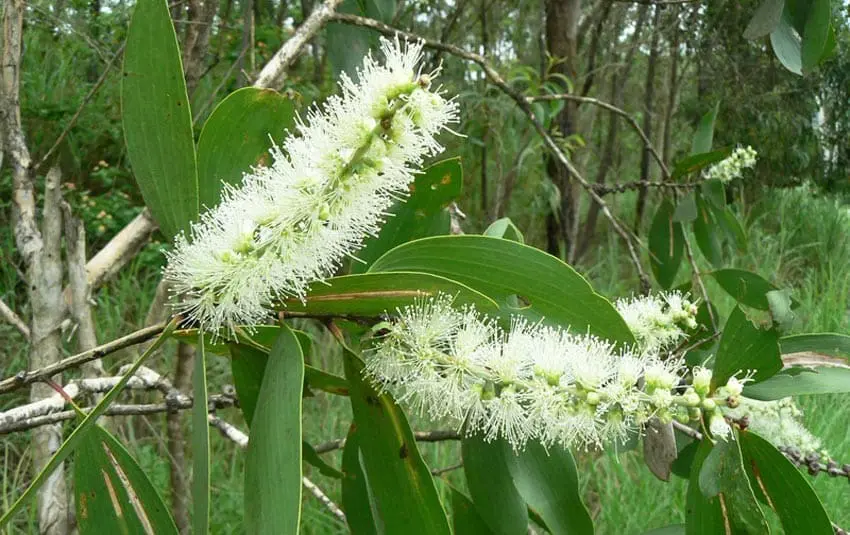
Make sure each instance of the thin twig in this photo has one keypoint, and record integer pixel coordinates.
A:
(24, 378)
(420, 436)
(690, 254)
(272, 74)
(82, 105)
(613, 109)
(496, 79)
(603, 189)
(9, 315)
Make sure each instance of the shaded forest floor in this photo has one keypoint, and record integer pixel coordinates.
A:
(797, 240)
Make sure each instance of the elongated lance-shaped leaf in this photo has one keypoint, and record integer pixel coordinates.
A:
(356, 499)
(401, 483)
(273, 460)
(157, 120)
(200, 445)
(112, 492)
(77, 434)
(491, 486)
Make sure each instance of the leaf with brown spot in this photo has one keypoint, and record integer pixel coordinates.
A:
(115, 495)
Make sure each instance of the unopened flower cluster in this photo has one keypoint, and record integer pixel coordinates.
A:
(329, 187)
(779, 422)
(530, 382)
(733, 166)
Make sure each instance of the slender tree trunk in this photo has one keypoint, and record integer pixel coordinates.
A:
(247, 43)
(562, 24)
(618, 87)
(649, 111)
(177, 442)
(197, 42)
(673, 84)
(40, 249)
(485, 48)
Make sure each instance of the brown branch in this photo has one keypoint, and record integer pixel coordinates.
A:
(524, 106)
(272, 74)
(9, 315)
(603, 189)
(24, 378)
(420, 436)
(613, 109)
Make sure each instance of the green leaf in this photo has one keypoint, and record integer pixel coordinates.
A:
(786, 488)
(422, 215)
(548, 481)
(237, 136)
(356, 500)
(686, 209)
(273, 459)
(666, 245)
(502, 269)
(112, 493)
(200, 444)
(705, 232)
(248, 364)
(703, 516)
(697, 162)
(722, 473)
(787, 44)
(715, 192)
(815, 34)
(780, 305)
(313, 459)
(832, 344)
(85, 426)
(465, 518)
(673, 529)
(746, 287)
(743, 346)
(401, 483)
(731, 226)
(347, 44)
(704, 136)
(504, 228)
(374, 294)
(801, 382)
(765, 19)
(491, 485)
(157, 120)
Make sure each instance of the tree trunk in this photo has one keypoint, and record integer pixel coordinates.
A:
(649, 111)
(197, 43)
(485, 48)
(41, 253)
(618, 87)
(177, 441)
(562, 18)
(673, 84)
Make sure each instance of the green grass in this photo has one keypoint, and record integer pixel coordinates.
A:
(798, 240)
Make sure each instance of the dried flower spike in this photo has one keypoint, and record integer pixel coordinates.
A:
(329, 187)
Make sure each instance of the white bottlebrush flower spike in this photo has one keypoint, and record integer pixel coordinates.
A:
(542, 383)
(531, 382)
(733, 166)
(330, 185)
(658, 321)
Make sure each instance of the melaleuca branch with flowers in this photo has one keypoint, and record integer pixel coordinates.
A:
(507, 346)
